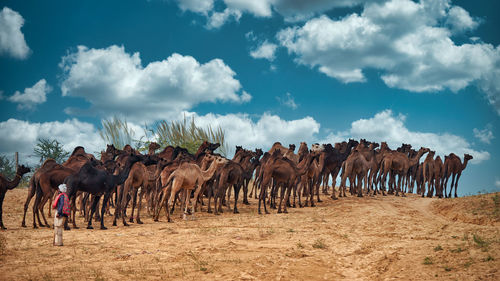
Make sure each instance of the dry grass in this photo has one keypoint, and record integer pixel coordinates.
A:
(370, 238)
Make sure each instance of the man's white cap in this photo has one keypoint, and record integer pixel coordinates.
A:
(62, 187)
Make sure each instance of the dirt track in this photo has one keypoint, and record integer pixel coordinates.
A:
(370, 238)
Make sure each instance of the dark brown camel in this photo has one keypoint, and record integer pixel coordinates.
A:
(96, 182)
(284, 174)
(453, 167)
(5, 185)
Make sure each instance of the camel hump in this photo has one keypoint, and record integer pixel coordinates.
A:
(78, 150)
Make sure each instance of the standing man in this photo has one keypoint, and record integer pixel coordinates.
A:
(61, 204)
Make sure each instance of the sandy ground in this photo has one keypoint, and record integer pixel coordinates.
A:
(370, 238)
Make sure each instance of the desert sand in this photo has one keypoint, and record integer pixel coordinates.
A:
(369, 238)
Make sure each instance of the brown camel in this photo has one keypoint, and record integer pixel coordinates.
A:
(398, 163)
(277, 146)
(453, 167)
(185, 178)
(47, 165)
(5, 185)
(291, 155)
(137, 178)
(428, 171)
(284, 174)
(438, 176)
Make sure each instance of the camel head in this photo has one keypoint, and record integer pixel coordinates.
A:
(317, 147)
(258, 152)
(291, 147)
(21, 170)
(238, 148)
(468, 157)
(153, 146)
(424, 150)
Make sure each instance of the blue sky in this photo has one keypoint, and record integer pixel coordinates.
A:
(420, 72)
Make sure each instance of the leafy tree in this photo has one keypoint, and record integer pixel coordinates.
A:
(186, 134)
(117, 132)
(7, 167)
(47, 148)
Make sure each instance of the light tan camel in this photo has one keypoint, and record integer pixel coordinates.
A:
(186, 178)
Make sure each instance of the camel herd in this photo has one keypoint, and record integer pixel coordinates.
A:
(124, 177)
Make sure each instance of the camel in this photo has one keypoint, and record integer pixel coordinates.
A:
(361, 160)
(284, 174)
(398, 163)
(438, 176)
(277, 146)
(333, 159)
(291, 155)
(47, 165)
(453, 167)
(230, 174)
(428, 171)
(5, 185)
(96, 182)
(186, 178)
(137, 178)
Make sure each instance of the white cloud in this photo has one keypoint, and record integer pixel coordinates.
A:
(497, 183)
(265, 51)
(401, 38)
(21, 136)
(241, 129)
(385, 126)
(32, 96)
(485, 135)
(11, 38)
(259, 8)
(116, 83)
(460, 20)
(197, 6)
(216, 19)
(287, 101)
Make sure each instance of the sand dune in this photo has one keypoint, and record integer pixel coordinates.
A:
(370, 238)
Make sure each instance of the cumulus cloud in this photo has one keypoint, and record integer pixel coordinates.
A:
(218, 19)
(287, 101)
(485, 135)
(291, 10)
(460, 20)
(265, 51)
(197, 6)
(12, 41)
(115, 83)
(32, 96)
(404, 40)
(391, 128)
(21, 136)
(241, 129)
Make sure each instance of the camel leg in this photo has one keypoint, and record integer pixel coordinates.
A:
(105, 202)
(2, 197)
(95, 199)
(134, 203)
(45, 198)
(31, 193)
(236, 193)
(35, 210)
(139, 205)
(456, 184)
(245, 192)
(452, 183)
